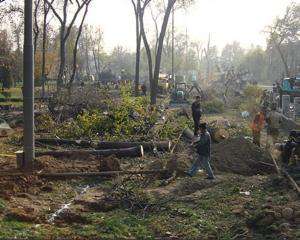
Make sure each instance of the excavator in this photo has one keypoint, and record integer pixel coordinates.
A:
(289, 86)
(182, 91)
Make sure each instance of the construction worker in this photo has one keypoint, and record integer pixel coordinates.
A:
(203, 148)
(265, 100)
(196, 113)
(274, 120)
(289, 150)
(256, 126)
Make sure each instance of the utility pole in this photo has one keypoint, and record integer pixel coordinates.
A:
(173, 43)
(28, 88)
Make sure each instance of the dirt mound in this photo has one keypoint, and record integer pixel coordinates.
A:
(240, 156)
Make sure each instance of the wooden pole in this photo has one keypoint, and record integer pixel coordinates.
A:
(283, 172)
(292, 181)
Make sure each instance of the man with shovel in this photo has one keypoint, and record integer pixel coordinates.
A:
(203, 148)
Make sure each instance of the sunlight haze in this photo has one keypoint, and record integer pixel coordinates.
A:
(227, 21)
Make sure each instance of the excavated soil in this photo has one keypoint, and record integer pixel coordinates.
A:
(240, 156)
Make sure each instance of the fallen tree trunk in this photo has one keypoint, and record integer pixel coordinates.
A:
(82, 174)
(148, 146)
(217, 134)
(126, 152)
(58, 142)
(188, 134)
(99, 174)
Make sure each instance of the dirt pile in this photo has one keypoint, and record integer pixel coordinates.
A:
(240, 156)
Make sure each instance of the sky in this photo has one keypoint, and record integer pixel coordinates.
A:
(225, 20)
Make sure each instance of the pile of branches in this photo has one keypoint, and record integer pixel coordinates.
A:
(131, 196)
(65, 105)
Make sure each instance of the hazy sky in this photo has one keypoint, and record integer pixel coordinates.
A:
(226, 20)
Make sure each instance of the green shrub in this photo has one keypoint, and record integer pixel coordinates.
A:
(251, 101)
(124, 119)
(213, 106)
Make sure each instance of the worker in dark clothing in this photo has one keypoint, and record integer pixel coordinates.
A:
(288, 148)
(196, 112)
(203, 148)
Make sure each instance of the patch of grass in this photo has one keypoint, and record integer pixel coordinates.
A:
(115, 225)
(18, 230)
(2, 205)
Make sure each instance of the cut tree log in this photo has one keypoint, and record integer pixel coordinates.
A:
(148, 146)
(81, 174)
(217, 134)
(99, 174)
(120, 153)
(58, 142)
(188, 134)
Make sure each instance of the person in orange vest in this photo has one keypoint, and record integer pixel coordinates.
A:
(256, 126)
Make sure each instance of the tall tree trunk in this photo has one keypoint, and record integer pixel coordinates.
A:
(36, 29)
(62, 60)
(46, 10)
(284, 61)
(138, 55)
(147, 46)
(76, 46)
(159, 51)
(88, 71)
(97, 65)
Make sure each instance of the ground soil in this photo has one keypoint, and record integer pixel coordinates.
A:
(245, 201)
(240, 156)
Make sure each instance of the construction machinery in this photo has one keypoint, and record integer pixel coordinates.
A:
(163, 83)
(179, 95)
(289, 87)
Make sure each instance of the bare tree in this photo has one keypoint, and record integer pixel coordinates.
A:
(76, 44)
(36, 28)
(285, 31)
(65, 30)
(138, 46)
(46, 10)
(154, 74)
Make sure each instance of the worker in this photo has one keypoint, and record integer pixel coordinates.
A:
(256, 126)
(144, 89)
(196, 113)
(265, 100)
(288, 149)
(203, 147)
(274, 120)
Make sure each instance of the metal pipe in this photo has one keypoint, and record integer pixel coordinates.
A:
(28, 88)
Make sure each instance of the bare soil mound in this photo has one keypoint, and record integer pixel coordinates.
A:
(240, 156)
